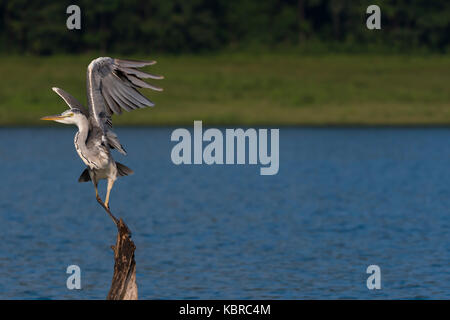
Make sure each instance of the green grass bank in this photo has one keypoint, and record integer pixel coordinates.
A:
(246, 89)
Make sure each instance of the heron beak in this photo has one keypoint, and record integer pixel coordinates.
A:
(54, 117)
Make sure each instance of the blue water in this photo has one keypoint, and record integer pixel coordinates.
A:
(343, 199)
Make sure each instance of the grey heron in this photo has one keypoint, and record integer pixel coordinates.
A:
(111, 86)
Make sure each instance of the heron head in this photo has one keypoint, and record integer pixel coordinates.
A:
(71, 116)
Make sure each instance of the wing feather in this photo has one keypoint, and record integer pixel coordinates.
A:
(112, 104)
(120, 101)
(133, 63)
(124, 92)
(70, 100)
(142, 84)
(140, 74)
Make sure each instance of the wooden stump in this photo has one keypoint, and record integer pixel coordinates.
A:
(123, 286)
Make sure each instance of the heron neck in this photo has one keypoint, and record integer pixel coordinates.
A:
(83, 129)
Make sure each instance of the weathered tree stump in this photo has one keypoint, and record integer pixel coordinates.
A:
(123, 286)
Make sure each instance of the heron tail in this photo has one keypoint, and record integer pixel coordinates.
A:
(85, 176)
(123, 170)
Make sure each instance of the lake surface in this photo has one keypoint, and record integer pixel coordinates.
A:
(343, 199)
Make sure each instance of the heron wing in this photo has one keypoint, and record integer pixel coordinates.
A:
(70, 100)
(112, 87)
(114, 142)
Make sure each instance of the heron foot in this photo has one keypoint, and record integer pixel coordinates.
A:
(106, 207)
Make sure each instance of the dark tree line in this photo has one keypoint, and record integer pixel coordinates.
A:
(39, 27)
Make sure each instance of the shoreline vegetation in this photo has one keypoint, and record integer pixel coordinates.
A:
(248, 89)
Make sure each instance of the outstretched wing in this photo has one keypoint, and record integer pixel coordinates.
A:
(71, 101)
(112, 86)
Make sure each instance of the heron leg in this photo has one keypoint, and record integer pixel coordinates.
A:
(99, 200)
(108, 191)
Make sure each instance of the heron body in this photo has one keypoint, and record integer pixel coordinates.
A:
(111, 87)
